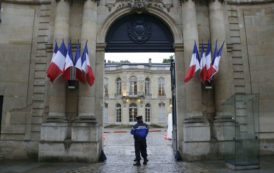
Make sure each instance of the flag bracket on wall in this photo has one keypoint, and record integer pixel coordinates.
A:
(208, 85)
(72, 84)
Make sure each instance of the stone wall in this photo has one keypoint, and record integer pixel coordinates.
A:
(26, 39)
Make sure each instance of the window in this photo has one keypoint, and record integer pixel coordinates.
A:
(118, 86)
(147, 113)
(118, 113)
(132, 112)
(133, 85)
(106, 87)
(162, 113)
(1, 104)
(161, 86)
(147, 87)
(0, 11)
(106, 113)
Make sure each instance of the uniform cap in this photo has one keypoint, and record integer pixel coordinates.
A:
(138, 116)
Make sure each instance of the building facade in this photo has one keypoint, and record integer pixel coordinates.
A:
(43, 120)
(137, 88)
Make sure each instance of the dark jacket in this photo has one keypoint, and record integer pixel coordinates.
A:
(139, 130)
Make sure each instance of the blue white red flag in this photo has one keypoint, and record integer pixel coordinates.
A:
(203, 73)
(68, 64)
(57, 62)
(214, 68)
(86, 68)
(78, 64)
(194, 64)
(208, 60)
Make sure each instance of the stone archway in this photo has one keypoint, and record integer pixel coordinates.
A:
(176, 46)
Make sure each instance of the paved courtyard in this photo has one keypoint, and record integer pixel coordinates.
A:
(119, 149)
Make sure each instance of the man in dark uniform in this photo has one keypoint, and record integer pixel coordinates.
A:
(140, 131)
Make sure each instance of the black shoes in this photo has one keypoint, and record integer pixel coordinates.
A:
(145, 161)
(137, 164)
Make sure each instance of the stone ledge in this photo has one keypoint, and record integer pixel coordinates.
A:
(31, 2)
(252, 2)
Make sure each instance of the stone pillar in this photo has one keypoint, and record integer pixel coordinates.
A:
(100, 56)
(86, 106)
(196, 129)
(180, 93)
(57, 91)
(223, 79)
(190, 34)
(55, 131)
(85, 130)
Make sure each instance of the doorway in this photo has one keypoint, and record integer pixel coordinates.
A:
(129, 94)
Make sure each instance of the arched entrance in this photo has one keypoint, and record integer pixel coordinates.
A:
(149, 31)
(139, 33)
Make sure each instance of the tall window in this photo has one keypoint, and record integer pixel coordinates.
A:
(162, 113)
(147, 111)
(161, 86)
(106, 87)
(0, 11)
(106, 113)
(147, 86)
(118, 86)
(132, 112)
(1, 104)
(118, 113)
(133, 85)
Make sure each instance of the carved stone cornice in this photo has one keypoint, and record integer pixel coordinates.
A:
(178, 47)
(216, 0)
(248, 2)
(139, 5)
(100, 47)
(27, 2)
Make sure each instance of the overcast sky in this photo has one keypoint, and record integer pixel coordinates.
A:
(138, 57)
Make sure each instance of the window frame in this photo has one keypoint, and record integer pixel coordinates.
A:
(132, 113)
(118, 113)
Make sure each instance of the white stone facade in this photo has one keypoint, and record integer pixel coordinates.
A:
(33, 107)
(152, 96)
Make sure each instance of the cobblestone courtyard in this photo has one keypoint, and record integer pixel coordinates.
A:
(120, 154)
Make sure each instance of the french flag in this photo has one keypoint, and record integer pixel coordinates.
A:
(214, 68)
(78, 64)
(57, 62)
(194, 64)
(86, 68)
(68, 64)
(203, 73)
(208, 60)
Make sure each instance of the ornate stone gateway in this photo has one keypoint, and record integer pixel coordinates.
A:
(52, 121)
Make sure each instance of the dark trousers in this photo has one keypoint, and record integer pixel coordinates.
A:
(140, 147)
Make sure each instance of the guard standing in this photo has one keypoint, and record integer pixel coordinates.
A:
(140, 131)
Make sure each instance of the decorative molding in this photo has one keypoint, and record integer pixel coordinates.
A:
(30, 2)
(248, 2)
(139, 5)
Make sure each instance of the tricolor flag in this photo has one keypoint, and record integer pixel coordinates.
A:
(78, 64)
(194, 64)
(203, 73)
(68, 64)
(86, 68)
(208, 60)
(57, 62)
(214, 68)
